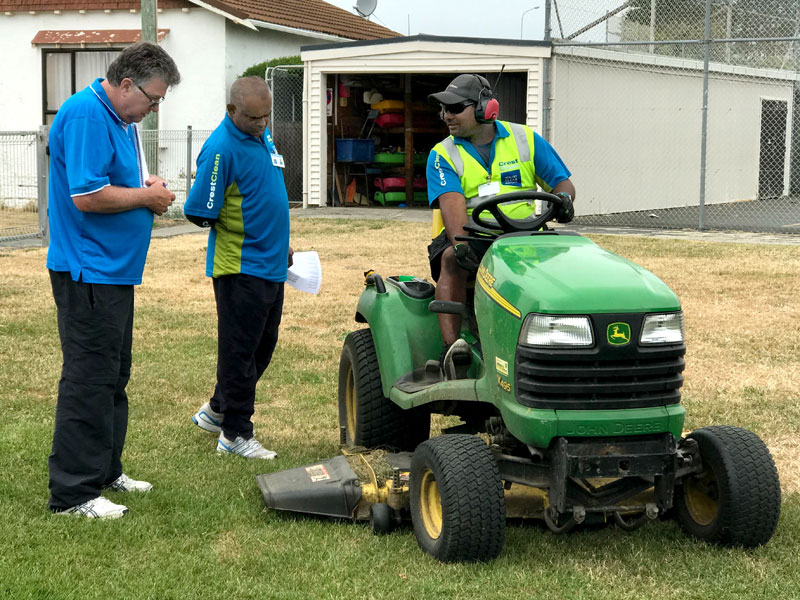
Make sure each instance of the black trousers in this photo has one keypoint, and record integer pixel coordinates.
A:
(95, 324)
(249, 313)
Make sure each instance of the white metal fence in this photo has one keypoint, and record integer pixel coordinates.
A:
(172, 154)
(18, 185)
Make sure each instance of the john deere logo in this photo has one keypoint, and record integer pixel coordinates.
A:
(618, 334)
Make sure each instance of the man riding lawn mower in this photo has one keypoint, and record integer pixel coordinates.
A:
(569, 405)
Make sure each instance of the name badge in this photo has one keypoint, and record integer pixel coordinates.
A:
(277, 161)
(489, 189)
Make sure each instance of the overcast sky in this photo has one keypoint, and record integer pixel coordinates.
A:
(468, 18)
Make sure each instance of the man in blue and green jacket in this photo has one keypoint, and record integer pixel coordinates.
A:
(239, 192)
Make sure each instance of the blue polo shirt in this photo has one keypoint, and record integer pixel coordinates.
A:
(91, 148)
(240, 184)
(547, 164)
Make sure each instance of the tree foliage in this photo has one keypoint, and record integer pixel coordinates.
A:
(260, 69)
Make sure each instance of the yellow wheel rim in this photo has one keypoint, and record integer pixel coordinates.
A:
(701, 494)
(350, 402)
(430, 505)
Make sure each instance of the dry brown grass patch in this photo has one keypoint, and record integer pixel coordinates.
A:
(741, 307)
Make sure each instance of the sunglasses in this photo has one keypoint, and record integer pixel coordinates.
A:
(456, 109)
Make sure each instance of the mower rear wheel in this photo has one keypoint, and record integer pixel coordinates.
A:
(736, 499)
(369, 418)
(457, 503)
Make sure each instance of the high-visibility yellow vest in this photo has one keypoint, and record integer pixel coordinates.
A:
(512, 168)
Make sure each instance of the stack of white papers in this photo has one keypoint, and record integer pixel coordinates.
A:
(305, 274)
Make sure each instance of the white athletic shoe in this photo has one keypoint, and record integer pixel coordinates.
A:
(123, 483)
(207, 419)
(247, 448)
(96, 508)
(457, 359)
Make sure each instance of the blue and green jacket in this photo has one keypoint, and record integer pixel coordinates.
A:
(239, 185)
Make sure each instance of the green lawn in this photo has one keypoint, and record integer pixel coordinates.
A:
(204, 531)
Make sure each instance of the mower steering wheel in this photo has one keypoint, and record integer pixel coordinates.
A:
(510, 225)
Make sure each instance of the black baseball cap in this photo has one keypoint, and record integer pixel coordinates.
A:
(461, 89)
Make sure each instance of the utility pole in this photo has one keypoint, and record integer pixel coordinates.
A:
(150, 122)
(149, 34)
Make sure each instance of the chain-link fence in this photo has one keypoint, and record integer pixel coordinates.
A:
(679, 113)
(172, 154)
(286, 124)
(19, 211)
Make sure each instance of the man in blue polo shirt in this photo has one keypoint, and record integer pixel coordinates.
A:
(101, 205)
(240, 194)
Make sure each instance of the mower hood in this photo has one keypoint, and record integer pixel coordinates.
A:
(569, 274)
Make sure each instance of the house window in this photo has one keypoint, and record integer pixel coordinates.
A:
(65, 72)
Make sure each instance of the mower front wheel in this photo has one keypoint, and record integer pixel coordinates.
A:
(736, 499)
(369, 418)
(457, 503)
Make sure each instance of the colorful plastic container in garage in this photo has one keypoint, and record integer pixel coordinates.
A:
(387, 120)
(353, 150)
(398, 158)
(385, 198)
(386, 106)
(389, 184)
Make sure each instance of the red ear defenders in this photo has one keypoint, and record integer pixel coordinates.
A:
(487, 107)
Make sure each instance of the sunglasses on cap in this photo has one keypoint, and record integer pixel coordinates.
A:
(456, 109)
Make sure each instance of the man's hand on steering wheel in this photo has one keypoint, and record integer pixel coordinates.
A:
(565, 212)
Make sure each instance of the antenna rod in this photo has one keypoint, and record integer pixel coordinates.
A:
(499, 75)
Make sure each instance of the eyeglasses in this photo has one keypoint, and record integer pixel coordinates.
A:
(153, 101)
(456, 109)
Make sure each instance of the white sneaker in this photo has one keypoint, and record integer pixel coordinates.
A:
(457, 360)
(207, 419)
(96, 508)
(247, 448)
(123, 483)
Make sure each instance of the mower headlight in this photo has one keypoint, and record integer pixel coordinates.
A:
(557, 330)
(663, 328)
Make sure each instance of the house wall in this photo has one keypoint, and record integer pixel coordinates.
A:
(630, 126)
(194, 42)
(416, 57)
(246, 48)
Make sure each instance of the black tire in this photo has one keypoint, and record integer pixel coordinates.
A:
(381, 518)
(370, 419)
(457, 503)
(736, 499)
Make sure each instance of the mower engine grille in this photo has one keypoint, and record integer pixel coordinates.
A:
(579, 380)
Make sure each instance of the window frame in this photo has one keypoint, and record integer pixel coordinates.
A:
(72, 52)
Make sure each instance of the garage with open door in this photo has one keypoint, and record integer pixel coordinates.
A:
(368, 127)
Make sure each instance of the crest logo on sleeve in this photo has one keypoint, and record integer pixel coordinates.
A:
(618, 334)
(212, 187)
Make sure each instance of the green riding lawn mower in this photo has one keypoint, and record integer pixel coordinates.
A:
(569, 410)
